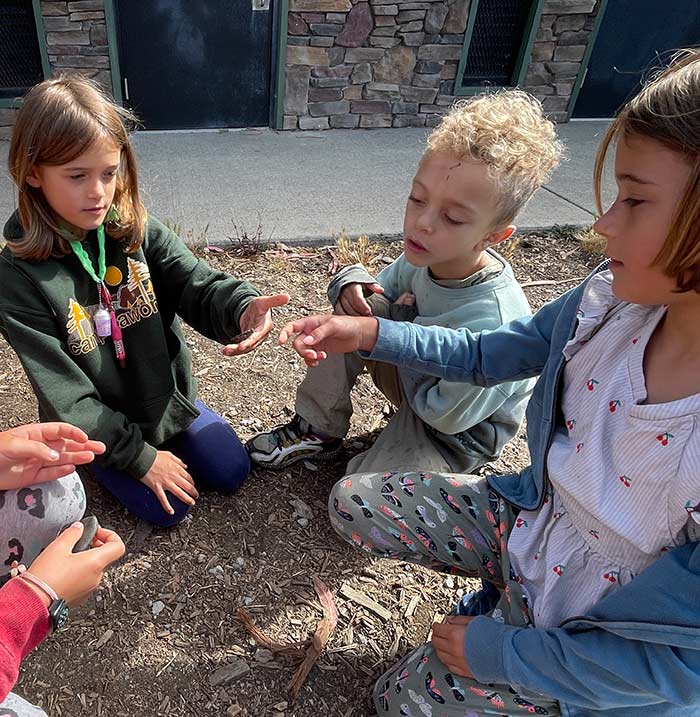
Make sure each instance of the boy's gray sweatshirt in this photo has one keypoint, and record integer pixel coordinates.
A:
(484, 419)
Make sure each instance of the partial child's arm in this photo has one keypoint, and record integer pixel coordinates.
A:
(24, 620)
(639, 646)
(391, 282)
(214, 303)
(515, 351)
(41, 452)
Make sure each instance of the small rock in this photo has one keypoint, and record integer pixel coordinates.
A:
(303, 522)
(247, 600)
(234, 710)
(239, 563)
(217, 571)
(311, 466)
(251, 549)
(449, 582)
(301, 509)
(157, 607)
(228, 673)
(263, 655)
(201, 558)
(280, 706)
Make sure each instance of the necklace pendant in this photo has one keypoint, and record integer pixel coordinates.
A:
(103, 323)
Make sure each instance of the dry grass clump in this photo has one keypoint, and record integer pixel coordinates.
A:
(358, 251)
(591, 241)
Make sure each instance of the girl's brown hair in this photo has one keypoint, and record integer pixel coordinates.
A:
(59, 120)
(667, 110)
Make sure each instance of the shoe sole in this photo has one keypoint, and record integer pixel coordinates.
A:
(318, 456)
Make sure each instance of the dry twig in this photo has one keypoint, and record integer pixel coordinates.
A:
(320, 638)
(310, 650)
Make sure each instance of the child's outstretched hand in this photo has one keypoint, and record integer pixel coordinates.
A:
(73, 576)
(41, 452)
(352, 301)
(256, 318)
(448, 641)
(318, 336)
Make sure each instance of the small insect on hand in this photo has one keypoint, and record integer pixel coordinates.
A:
(241, 337)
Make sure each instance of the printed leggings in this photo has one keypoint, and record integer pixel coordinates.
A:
(452, 523)
(30, 518)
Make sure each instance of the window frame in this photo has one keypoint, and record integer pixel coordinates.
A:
(521, 62)
(14, 102)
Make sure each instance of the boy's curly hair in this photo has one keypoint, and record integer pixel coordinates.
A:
(507, 131)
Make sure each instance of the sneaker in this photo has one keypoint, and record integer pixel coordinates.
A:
(478, 602)
(295, 441)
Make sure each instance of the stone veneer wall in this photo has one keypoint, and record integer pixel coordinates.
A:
(76, 38)
(392, 63)
(356, 63)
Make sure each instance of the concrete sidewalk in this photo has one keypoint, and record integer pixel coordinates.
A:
(309, 186)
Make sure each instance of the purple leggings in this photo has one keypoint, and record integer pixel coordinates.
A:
(215, 458)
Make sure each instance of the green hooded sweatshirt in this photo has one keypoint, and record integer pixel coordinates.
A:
(46, 313)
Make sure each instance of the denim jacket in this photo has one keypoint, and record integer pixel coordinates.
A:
(637, 651)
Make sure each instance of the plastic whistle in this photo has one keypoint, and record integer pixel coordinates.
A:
(117, 338)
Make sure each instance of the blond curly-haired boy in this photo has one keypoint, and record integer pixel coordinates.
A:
(480, 167)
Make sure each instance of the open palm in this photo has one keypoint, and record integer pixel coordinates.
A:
(41, 452)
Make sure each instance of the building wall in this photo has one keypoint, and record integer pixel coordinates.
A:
(392, 63)
(76, 40)
(356, 63)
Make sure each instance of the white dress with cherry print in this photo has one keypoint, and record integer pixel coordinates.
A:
(624, 475)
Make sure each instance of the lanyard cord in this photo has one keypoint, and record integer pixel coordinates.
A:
(84, 259)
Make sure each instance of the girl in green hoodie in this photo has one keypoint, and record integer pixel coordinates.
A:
(92, 290)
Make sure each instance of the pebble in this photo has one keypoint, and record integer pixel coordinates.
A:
(311, 466)
(217, 571)
(157, 607)
(247, 600)
(303, 522)
(234, 710)
(301, 509)
(449, 582)
(263, 655)
(239, 563)
(201, 558)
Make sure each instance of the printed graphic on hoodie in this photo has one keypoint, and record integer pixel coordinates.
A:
(134, 301)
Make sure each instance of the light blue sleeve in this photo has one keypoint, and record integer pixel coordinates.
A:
(639, 646)
(515, 351)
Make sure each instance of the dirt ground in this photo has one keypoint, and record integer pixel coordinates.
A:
(150, 641)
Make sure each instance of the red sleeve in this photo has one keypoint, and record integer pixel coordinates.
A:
(24, 623)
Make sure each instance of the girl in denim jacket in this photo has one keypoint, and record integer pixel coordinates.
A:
(591, 553)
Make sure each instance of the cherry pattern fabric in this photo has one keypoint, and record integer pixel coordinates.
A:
(625, 475)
